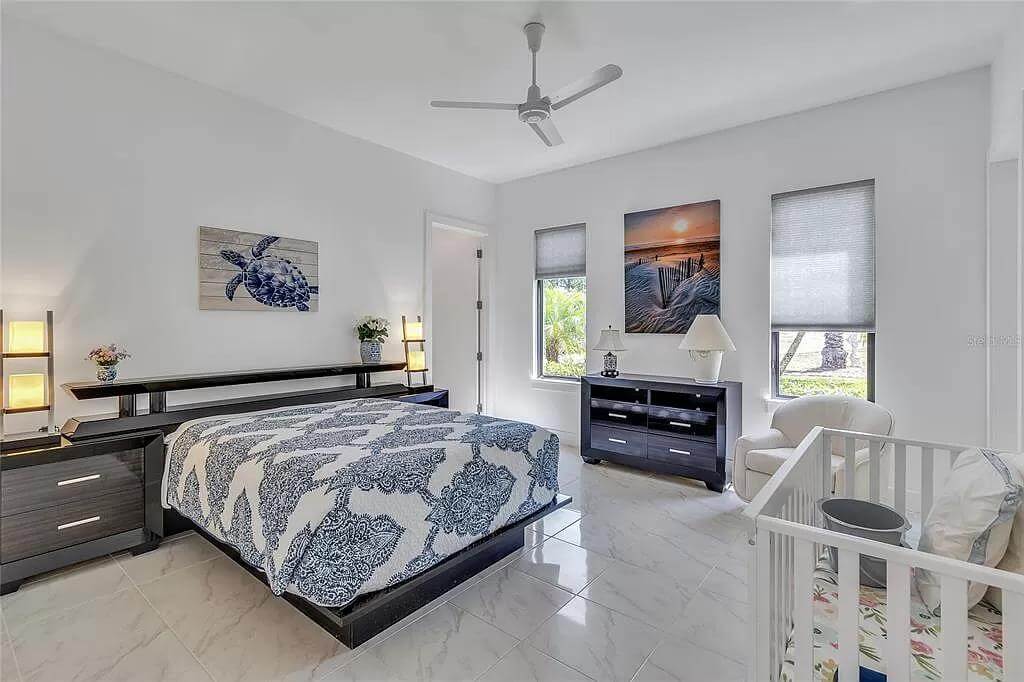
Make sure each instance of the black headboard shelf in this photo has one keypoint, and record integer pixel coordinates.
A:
(106, 425)
(125, 390)
(128, 418)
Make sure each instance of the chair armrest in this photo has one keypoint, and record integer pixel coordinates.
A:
(772, 438)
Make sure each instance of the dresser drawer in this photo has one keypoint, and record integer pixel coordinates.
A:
(622, 441)
(58, 483)
(684, 452)
(685, 423)
(44, 530)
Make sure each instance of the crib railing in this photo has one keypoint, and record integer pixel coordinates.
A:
(787, 539)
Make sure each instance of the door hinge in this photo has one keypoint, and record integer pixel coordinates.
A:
(479, 305)
(479, 356)
(479, 253)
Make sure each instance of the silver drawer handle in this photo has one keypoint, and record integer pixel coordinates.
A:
(617, 415)
(678, 452)
(683, 424)
(617, 440)
(72, 524)
(80, 479)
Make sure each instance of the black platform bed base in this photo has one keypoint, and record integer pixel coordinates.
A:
(371, 614)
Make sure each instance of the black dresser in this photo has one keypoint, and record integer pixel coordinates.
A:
(73, 502)
(664, 424)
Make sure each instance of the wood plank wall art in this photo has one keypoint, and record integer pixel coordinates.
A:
(251, 271)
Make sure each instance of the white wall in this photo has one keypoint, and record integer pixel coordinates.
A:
(1007, 85)
(925, 145)
(109, 166)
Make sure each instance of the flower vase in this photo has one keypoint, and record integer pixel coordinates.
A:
(370, 351)
(106, 372)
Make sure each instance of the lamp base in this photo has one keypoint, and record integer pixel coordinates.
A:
(707, 364)
(610, 366)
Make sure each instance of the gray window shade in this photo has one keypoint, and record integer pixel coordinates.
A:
(823, 258)
(562, 252)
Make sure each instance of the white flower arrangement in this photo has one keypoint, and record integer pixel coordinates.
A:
(372, 328)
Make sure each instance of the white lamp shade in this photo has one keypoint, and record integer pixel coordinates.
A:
(707, 333)
(610, 340)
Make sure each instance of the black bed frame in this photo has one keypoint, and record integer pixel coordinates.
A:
(368, 614)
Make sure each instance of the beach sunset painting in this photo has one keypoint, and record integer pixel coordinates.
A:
(673, 267)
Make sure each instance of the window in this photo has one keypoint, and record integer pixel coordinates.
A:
(561, 316)
(823, 291)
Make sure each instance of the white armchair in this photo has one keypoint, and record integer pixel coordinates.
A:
(757, 457)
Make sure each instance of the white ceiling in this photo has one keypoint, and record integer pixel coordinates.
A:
(369, 69)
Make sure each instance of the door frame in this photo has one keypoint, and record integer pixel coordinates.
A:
(432, 221)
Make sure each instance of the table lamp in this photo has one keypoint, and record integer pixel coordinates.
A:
(706, 340)
(610, 342)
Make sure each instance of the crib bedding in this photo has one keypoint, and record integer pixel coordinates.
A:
(335, 500)
(984, 635)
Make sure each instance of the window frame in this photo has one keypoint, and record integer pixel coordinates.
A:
(538, 325)
(870, 371)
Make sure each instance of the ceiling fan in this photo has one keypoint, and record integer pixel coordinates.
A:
(536, 110)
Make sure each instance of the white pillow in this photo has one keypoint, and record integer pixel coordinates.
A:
(970, 519)
(1013, 560)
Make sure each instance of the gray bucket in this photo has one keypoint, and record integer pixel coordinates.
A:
(868, 520)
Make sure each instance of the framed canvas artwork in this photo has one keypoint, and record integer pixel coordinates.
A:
(250, 271)
(673, 267)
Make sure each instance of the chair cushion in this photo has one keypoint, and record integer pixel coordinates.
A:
(768, 460)
(970, 519)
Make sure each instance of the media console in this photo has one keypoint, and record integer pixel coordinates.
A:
(664, 424)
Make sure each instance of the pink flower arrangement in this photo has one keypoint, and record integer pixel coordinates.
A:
(110, 354)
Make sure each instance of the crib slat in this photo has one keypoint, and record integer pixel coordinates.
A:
(875, 468)
(897, 665)
(803, 634)
(761, 670)
(849, 475)
(927, 480)
(1013, 634)
(900, 486)
(849, 614)
(953, 593)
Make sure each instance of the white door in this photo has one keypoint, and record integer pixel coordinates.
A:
(455, 334)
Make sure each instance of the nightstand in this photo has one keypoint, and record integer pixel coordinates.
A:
(74, 502)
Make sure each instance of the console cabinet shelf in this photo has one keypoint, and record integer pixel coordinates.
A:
(664, 424)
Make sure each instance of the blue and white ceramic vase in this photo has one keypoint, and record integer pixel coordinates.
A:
(106, 372)
(370, 351)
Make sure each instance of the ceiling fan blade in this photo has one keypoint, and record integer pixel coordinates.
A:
(547, 131)
(573, 91)
(445, 104)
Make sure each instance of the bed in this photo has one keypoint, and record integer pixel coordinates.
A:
(341, 499)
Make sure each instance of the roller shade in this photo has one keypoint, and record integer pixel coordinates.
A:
(823, 258)
(562, 251)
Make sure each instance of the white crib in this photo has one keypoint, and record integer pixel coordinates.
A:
(787, 540)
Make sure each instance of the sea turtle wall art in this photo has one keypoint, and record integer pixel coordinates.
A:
(250, 271)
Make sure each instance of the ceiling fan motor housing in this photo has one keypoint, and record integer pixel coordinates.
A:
(534, 109)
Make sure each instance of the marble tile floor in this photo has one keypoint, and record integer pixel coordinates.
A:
(643, 577)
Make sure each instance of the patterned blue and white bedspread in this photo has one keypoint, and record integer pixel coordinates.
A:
(339, 499)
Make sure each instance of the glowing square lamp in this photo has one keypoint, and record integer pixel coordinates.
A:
(26, 390)
(417, 360)
(414, 331)
(26, 337)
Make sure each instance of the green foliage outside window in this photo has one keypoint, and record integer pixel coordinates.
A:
(565, 327)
